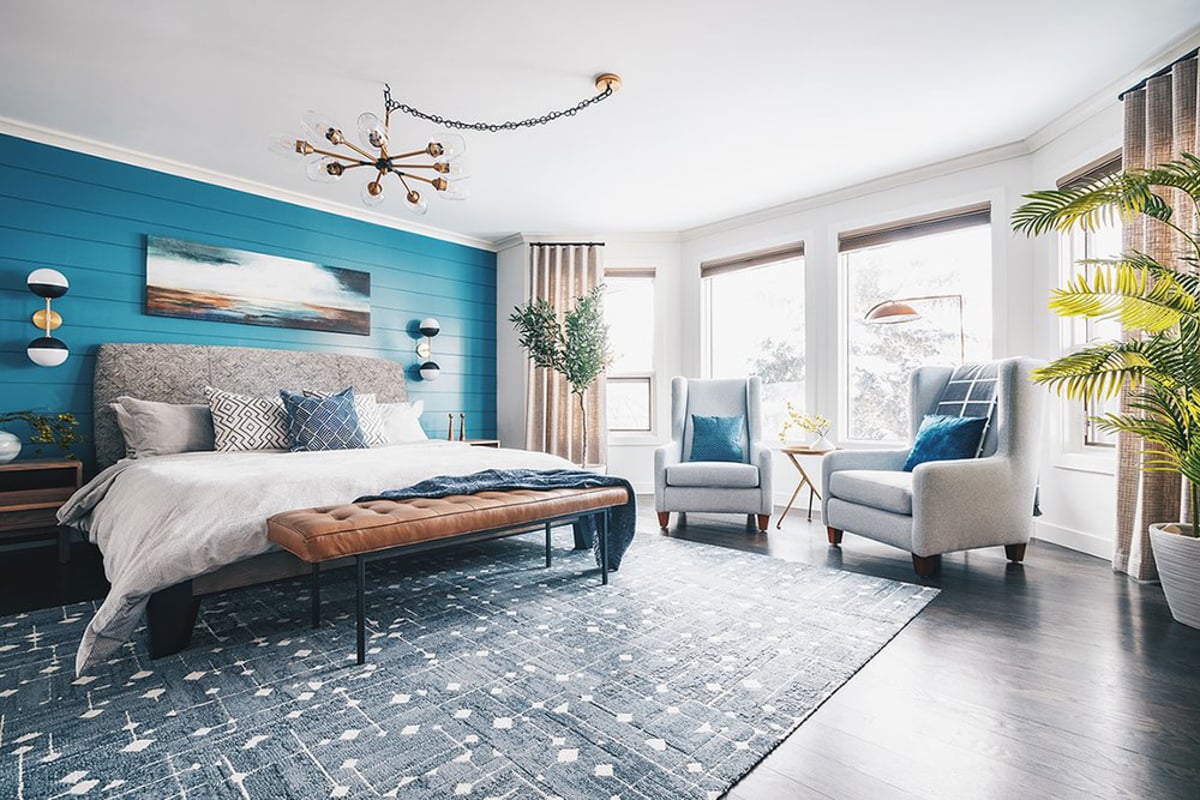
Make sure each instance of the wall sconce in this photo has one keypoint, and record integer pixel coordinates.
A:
(47, 351)
(429, 368)
(891, 312)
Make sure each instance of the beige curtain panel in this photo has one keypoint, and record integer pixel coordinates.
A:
(1160, 125)
(553, 423)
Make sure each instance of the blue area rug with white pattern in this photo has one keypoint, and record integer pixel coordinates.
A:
(488, 676)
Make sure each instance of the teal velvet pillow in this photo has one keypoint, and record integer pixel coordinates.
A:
(942, 438)
(717, 438)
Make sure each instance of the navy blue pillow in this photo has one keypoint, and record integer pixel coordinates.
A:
(717, 438)
(322, 423)
(942, 438)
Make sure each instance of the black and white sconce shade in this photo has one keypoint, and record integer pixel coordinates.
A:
(47, 351)
(429, 368)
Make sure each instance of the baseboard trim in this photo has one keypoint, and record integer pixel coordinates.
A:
(1072, 539)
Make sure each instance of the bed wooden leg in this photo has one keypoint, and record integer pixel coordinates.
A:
(170, 617)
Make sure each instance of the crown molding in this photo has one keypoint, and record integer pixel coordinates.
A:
(1098, 102)
(510, 241)
(980, 158)
(67, 141)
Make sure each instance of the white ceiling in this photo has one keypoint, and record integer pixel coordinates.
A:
(727, 107)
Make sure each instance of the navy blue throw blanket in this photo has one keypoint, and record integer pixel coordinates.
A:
(622, 519)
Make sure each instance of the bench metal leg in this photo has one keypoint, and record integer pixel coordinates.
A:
(602, 532)
(360, 599)
(315, 591)
(547, 545)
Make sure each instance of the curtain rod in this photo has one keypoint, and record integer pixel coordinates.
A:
(566, 244)
(1160, 73)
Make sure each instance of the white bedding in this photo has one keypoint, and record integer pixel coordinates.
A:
(163, 520)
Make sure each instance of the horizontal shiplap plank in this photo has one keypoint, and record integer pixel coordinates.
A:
(89, 218)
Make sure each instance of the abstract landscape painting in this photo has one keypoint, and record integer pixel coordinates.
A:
(202, 281)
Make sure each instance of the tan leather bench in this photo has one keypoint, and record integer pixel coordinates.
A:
(390, 527)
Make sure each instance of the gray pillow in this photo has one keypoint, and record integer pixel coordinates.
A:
(159, 429)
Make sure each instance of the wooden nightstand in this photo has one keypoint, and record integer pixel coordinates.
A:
(483, 442)
(31, 493)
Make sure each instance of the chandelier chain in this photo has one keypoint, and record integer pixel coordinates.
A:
(492, 127)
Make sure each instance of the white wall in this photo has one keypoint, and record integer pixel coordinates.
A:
(1077, 492)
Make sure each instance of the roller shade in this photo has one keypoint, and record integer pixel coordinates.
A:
(941, 222)
(1100, 168)
(748, 260)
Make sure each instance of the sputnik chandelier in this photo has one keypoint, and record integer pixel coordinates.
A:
(439, 163)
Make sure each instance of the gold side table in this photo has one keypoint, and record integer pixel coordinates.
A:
(792, 451)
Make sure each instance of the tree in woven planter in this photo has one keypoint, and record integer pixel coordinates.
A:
(1157, 304)
(576, 347)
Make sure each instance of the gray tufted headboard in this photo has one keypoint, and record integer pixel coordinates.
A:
(178, 373)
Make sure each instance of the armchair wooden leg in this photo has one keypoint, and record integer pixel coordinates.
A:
(926, 566)
(763, 521)
(835, 536)
(1015, 552)
(664, 519)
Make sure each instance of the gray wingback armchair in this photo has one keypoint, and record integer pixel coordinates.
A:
(945, 506)
(716, 486)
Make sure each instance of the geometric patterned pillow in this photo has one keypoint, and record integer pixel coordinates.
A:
(971, 392)
(370, 416)
(322, 423)
(246, 423)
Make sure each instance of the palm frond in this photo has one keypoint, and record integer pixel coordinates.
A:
(1105, 200)
(1134, 296)
(1096, 372)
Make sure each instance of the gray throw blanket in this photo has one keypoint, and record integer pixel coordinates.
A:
(622, 519)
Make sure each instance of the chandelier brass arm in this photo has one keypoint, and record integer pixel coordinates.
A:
(444, 149)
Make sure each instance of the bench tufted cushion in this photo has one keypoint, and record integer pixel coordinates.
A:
(320, 534)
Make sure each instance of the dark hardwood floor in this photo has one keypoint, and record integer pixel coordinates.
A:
(1055, 678)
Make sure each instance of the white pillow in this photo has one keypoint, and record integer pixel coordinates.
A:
(402, 422)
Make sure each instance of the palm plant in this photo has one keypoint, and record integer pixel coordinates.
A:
(577, 347)
(1158, 305)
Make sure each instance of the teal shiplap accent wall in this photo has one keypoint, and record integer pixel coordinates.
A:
(88, 218)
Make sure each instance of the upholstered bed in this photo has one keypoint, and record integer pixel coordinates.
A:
(177, 527)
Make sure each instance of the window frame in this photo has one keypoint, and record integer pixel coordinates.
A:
(888, 233)
(713, 268)
(1078, 431)
(650, 377)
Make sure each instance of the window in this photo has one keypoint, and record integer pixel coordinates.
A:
(754, 325)
(1103, 242)
(629, 312)
(939, 255)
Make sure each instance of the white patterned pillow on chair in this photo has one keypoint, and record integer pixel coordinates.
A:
(246, 423)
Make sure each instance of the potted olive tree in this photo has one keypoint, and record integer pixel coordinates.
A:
(1158, 305)
(576, 348)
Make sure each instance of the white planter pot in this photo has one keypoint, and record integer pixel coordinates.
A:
(10, 447)
(1178, 559)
